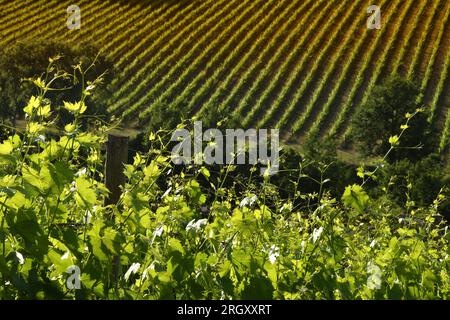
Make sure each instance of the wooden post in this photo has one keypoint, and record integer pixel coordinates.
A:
(116, 158)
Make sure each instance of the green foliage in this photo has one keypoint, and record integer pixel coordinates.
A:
(26, 59)
(417, 183)
(386, 111)
(170, 237)
(355, 197)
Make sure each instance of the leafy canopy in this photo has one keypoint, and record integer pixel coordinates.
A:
(378, 121)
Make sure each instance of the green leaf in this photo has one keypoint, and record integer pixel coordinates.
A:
(175, 245)
(151, 172)
(259, 288)
(70, 128)
(35, 128)
(44, 111)
(31, 178)
(355, 196)
(77, 107)
(111, 240)
(145, 221)
(61, 261)
(205, 172)
(32, 105)
(18, 201)
(361, 172)
(95, 237)
(394, 140)
(195, 192)
(85, 195)
(6, 148)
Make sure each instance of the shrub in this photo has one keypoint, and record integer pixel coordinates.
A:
(382, 116)
(418, 183)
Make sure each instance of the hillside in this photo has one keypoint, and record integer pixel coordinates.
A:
(302, 66)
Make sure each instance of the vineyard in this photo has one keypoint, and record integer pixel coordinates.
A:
(101, 197)
(302, 66)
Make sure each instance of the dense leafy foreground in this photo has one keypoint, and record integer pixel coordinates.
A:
(304, 67)
(194, 232)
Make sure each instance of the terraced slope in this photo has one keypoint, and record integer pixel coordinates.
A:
(302, 66)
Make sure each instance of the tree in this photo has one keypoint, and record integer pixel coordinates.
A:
(382, 116)
(28, 59)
